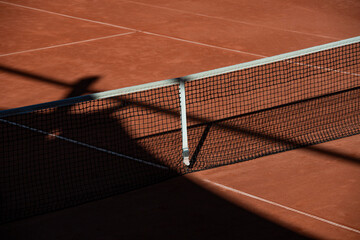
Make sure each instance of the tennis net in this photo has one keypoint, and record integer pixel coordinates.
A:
(64, 153)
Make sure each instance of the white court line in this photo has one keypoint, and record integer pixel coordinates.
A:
(229, 20)
(65, 44)
(68, 16)
(282, 206)
(203, 44)
(134, 30)
(83, 144)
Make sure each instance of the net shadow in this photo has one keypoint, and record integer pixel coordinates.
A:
(175, 209)
(80, 87)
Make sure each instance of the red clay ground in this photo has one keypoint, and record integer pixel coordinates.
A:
(49, 46)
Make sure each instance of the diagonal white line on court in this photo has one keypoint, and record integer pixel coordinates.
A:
(65, 44)
(136, 30)
(203, 44)
(133, 31)
(83, 144)
(229, 20)
(68, 16)
(281, 206)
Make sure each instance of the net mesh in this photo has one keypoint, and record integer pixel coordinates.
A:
(278, 106)
(59, 157)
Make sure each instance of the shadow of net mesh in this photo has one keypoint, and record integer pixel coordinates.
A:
(60, 157)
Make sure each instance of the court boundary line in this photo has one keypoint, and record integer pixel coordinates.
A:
(135, 30)
(66, 15)
(281, 206)
(230, 20)
(203, 44)
(83, 144)
(66, 44)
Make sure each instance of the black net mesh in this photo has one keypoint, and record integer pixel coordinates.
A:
(60, 157)
(275, 107)
(64, 156)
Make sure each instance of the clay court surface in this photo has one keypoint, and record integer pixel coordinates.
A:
(52, 50)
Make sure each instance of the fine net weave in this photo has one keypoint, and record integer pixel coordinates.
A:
(62, 156)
